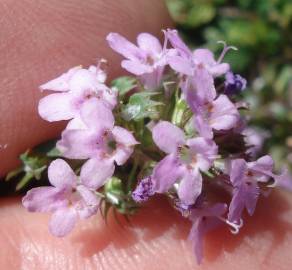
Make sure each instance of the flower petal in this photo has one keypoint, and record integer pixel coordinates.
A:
(63, 221)
(165, 174)
(238, 170)
(44, 199)
(123, 136)
(224, 114)
(149, 43)
(56, 107)
(136, 67)
(61, 175)
(96, 115)
(168, 136)
(95, 172)
(78, 144)
(181, 65)
(123, 46)
(62, 82)
(190, 187)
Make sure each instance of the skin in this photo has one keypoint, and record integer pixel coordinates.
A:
(40, 40)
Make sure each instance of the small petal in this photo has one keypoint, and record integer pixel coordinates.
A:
(61, 175)
(238, 170)
(123, 136)
(181, 65)
(177, 43)
(63, 221)
(61, 83)
(95, 172)
(168, 137)
(190, 187)
(224, 114)
(149, 43)
(124, 47)
(165, 174)
(78, 144)
(44, 199)
(57, 107)
(96, 115)
(122, 154)
(136, 67)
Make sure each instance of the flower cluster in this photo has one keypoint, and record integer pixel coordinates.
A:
(175, 124)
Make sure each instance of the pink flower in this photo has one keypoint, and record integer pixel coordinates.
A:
(147, 60)
(101, 142)
(74, 88)
(65, 198)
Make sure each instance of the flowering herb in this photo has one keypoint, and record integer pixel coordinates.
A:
(167, 129)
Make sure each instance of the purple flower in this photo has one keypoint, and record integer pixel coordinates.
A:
(76, 87)
(147, 60)
(65, 198)
(244, 177)
(234, 84)
(185, 160)
(204, 220)
(144, 190)
(219, 114)
(101, 142)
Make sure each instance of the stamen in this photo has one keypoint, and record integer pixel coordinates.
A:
(234, 228)
(225, 50)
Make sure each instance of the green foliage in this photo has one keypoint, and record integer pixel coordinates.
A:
(124, 84)
(261, 30)
(141, 106)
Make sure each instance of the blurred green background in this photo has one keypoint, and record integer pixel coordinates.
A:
(262, 31)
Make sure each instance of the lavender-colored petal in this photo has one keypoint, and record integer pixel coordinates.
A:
(63, 221)
(61, 83)
(122, 154)
(57, 107)
(181, 65)
(219, 69)
(149, 43)
(95, 172)
(96, 115)
(136, 67)
(202, 84)
(284, 180)
(123, 136)
(168, 136)
(78, 144)
(89, 204)
(251, 197)
(238, 171)
(165, 174)
(204, 56)
(205, 152)
(224, 114)
(203, 128)
(44, 199)
(177, 43)
(204, 220)
(190, 187)
(124, 47)
(61, 175)
(245, 196)
(152, 81)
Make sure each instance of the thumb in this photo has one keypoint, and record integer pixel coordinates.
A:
(154, 239)
(42, 39)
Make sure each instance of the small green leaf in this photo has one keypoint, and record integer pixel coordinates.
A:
(14, 173)
(141, 106)
(124, 84)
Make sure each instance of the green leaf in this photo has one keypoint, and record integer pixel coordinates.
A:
(124, 84)
(141, 106)
(14, 173)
